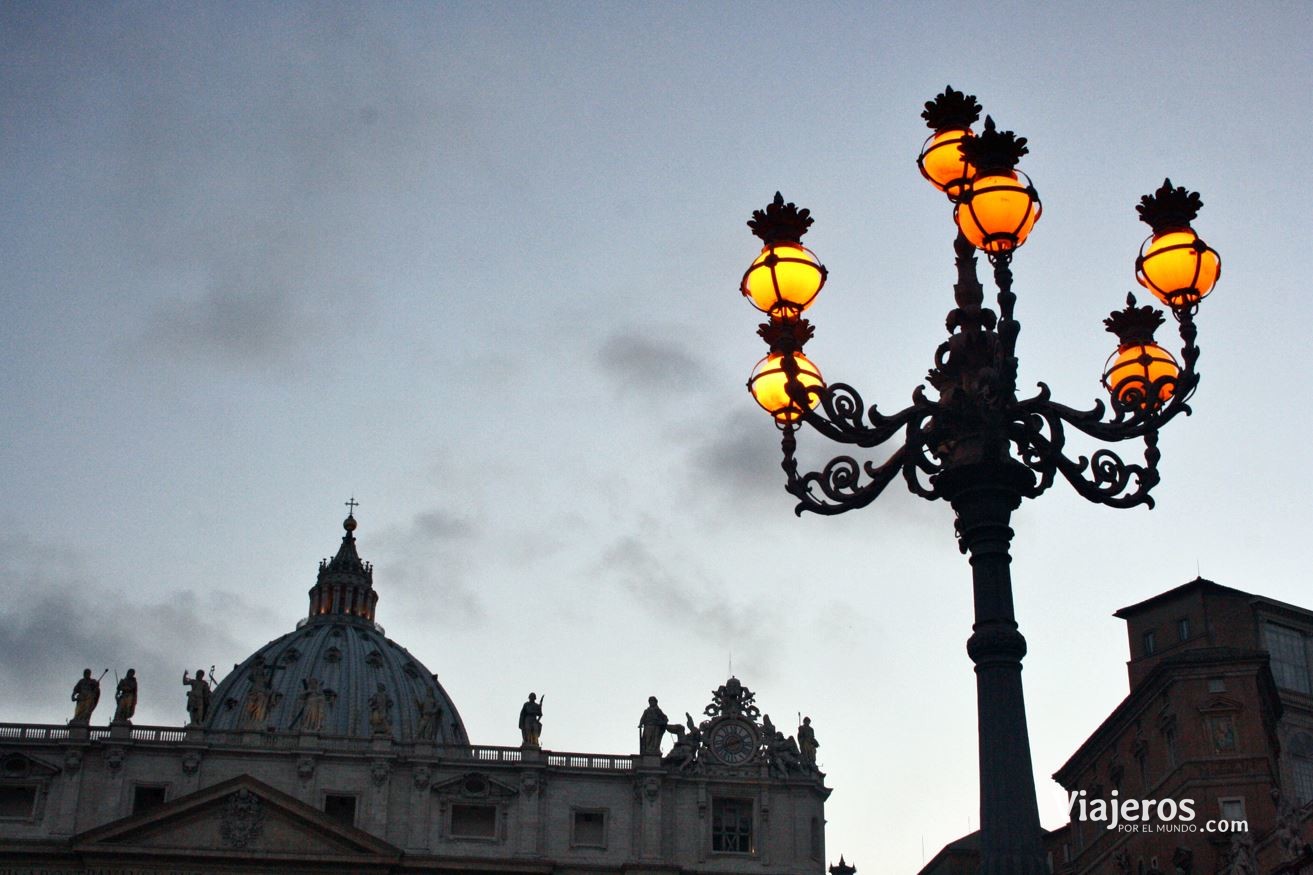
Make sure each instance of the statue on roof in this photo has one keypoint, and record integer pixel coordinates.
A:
(807, 742)
(86, 695)
(125, 697)
(198, 697)
(380, 712)
(651, 726)
(684, 754)
(531, 721)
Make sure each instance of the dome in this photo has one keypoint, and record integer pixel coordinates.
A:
(337, 673)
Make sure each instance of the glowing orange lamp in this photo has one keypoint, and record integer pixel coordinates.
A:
(950, 116)
(1140, 374)
(1174, 264)
(786, 277)
(997, 210)
(769, 384)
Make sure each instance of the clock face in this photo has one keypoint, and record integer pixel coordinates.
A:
(733, 743)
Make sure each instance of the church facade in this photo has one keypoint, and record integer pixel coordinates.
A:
(332, 749)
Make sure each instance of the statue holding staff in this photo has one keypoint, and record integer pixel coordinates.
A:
(198, 697)
(125, 694)
(531, 721)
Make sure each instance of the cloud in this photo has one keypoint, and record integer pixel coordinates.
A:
(58, 622)
(740, 457)
(701, 608)
(653, 360)
(237, 320)
(427, 559)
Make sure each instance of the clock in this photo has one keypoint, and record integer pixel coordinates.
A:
(733, 742)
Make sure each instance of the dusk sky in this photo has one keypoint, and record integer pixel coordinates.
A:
(477, 265)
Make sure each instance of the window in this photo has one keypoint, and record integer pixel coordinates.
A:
(341, 807)
(1183, 629)
(146, 798)
(1301, 769)
(731, 826)
(1289, 661)
(588, 828)
(1169, 736)
(17, 802)
(1232, 808)
(1150, 643)
(474, 821)
(1217, 685)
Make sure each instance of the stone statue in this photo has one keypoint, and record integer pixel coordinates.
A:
(314, 704)
(531, 721)
(125, 694)
(86, 695)
(784, 755)
(258, 698)
(198, 697)
(1288, 830)
(651, 726)
(767, 733)
(684, 754)
(1240, 857)
(380, 712)
(807, 742)
(430, 713)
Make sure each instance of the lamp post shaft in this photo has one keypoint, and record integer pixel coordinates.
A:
(984, 497)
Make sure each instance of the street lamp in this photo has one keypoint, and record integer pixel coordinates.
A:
(977, 445)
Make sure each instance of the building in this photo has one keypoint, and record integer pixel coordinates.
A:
(332, 749)
(1219, 715)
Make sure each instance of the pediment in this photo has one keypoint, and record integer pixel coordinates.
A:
(241, 816)
(475, 785)
(1220, 704)
(18, 766)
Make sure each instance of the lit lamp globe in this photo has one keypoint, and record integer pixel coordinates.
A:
(942, 162)
(769, 385)
(1174, 264)
(998, 209)
(784, 279)
(1140, 374)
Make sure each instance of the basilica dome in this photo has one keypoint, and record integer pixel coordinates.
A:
(337, 673)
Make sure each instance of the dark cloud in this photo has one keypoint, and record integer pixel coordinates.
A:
(740, 457)
(652, 360)
(236, 320)
(58, 621)
(696, 605)
(425, 564)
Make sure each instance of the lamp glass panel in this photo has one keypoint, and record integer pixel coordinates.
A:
(769, 385)
(793, 280)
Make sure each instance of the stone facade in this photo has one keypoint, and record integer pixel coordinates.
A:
(251, 790)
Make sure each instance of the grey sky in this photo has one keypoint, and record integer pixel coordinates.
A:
(477, 264)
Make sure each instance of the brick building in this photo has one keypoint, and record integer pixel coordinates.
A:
(1218, 722)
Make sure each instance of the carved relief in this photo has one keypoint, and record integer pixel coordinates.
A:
(243, 819)
(191, 761)
(379, 771)
(114, 757)
(422, 776)
(305, 768)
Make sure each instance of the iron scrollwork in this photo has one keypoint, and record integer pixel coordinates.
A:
(977, 415)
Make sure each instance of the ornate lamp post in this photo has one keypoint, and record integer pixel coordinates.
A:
(978, 445)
